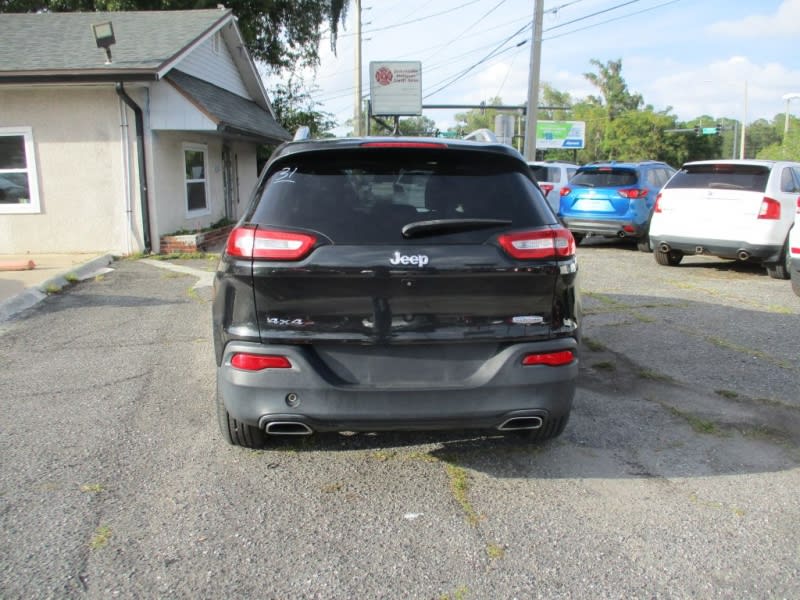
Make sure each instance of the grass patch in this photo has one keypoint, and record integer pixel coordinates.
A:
(460, 593)
(71, 277)
(92, 488)
(605, 365)
(696, 423)
(495, 551)
(593, 345)
(459, 486)
(100, 538)
(183, 256)
(730, 395)
(52, 288)
(652, 375)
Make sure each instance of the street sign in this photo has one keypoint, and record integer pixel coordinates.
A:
(395, 88)
(709, 131)
(560, 134)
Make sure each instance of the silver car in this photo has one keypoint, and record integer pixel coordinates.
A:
(552, 176)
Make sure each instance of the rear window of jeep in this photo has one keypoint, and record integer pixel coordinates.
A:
(360, 196)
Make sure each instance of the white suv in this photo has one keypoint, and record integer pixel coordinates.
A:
(737, 209)
(551, 177)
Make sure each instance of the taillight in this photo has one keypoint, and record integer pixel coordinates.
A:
(546, 188)
(549, 359)
(539, 244)
(633, 193)
(770, 209)
(259, 362)
(657, 207)
(798, 205)
(269, 244)
(565, 190)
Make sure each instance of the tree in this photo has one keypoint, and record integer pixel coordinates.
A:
(613, 89)
(294, 107)
(414, 126)
(281, 33)
(479, 118)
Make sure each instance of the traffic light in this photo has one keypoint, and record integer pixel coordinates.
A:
(719, 128)
(697, 130)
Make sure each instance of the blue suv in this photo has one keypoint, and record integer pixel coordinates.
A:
(613, 199)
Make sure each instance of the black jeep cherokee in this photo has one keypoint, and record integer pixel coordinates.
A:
(395, 283)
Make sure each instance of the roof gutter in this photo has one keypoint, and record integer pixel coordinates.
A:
(143, 193)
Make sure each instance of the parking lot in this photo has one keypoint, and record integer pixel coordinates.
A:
(676, 477)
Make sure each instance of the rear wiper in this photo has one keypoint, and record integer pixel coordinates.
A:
(439, 226)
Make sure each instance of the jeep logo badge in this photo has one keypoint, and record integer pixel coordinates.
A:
(418, 260)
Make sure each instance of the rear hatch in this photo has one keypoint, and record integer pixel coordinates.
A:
(601, 192)
(405, 245)
(718, 201)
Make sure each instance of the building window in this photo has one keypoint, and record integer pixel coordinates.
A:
(19, 190)
(195, 163)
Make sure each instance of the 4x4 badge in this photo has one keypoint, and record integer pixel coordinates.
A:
(419, 260)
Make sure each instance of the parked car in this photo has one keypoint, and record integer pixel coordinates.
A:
(552, 176)
(794, 251)
(613, 199)
(735, 209)
(352, 297)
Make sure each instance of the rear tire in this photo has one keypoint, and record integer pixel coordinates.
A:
(781, 270)
(552, 428)
(669, 259)
(237, 433)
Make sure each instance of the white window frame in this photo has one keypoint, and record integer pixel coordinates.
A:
(34, 206)
(190, 214)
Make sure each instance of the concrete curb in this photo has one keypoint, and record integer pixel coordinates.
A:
(35, 294)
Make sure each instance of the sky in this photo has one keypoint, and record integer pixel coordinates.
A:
(724, 58)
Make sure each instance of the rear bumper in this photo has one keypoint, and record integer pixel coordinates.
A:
(722, 248)
(605, 227)
(307, 393)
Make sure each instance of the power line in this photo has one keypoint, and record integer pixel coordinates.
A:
(594, 14)
(417, 20)
(638, 12)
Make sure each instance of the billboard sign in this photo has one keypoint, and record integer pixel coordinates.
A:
(395, 88)
(560, 135)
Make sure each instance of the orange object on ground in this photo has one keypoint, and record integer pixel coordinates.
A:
(17, 265)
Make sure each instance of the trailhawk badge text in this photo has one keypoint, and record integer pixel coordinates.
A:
(419, 260)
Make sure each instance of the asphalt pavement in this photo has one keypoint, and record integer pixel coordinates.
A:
(676, 477)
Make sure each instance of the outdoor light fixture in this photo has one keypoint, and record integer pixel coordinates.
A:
(104, 36)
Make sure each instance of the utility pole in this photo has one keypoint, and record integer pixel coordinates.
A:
(357, 113)
(744, 123)
(533, 81)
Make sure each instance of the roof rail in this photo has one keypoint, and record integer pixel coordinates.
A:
(482, 135)
(303, 133)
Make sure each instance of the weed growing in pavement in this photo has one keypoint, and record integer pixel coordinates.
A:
(72, 278)
(92, 488)
(460, 593)
(459, 486)
(593, 345)
(100, 538)
(605, 365)
(495, 551)
(696, 423)
(653, 375)
(730, 395)
(52, 289)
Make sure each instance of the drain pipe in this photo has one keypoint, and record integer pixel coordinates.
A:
(143, 195)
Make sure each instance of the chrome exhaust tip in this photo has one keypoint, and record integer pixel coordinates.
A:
(664, 247)
(287, 428)
(743, 255)
(518, 423)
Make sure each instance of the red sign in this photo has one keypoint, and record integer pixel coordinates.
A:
(384, 76)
